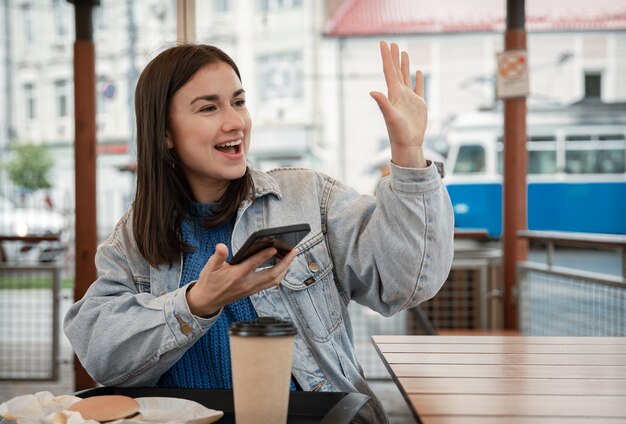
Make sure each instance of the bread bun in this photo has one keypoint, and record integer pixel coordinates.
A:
(106, 408)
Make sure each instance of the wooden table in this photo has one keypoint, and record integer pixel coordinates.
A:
(509, 379)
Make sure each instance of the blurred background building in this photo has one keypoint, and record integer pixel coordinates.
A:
(308, 67)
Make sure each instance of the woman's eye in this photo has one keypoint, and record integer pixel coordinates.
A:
(208, 108)
(239, 102)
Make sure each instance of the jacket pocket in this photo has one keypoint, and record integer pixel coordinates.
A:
(310, 289)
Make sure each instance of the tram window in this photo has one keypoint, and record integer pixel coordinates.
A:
(470, 160)
(584, 137)
(604, 137)
(595, 161)
(542, 138)
(541, 162)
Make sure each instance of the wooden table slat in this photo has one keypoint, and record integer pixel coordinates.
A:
(525, 340)
(494, 386)
(481, 419)
(520, 405)
(506, 359)
(508, 371)
(505, 348)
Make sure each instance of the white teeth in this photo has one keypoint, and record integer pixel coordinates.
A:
(229, 144)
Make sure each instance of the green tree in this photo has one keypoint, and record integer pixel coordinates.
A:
(30, 166)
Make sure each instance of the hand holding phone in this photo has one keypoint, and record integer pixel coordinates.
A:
(284, 239)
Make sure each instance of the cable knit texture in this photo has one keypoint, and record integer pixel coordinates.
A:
(206, 364)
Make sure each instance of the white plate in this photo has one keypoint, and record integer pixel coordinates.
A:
(164, 409)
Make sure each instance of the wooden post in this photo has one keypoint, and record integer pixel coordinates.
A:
(84, 161)
(514, 183)
(186, 21)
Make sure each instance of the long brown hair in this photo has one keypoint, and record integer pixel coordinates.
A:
(163, 195)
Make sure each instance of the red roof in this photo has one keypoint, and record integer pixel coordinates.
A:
(373, 17)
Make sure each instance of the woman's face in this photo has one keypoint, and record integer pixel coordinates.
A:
(210, 130)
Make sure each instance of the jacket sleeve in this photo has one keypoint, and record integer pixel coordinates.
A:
(395, 251)
(124, 337)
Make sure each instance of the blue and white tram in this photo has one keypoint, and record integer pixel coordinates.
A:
(576, 169)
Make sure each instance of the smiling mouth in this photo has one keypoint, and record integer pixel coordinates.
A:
(233, 147)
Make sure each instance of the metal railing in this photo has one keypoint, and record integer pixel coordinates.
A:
(469, 299)
(566, 301)
(29, 321)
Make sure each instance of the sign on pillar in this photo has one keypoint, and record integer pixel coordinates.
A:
(512, 75)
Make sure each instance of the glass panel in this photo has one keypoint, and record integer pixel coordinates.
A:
(542, 138)
(542, 162)
(595, 161)
(582, 137)
(470, 160)
(280, 75)
(611, 137)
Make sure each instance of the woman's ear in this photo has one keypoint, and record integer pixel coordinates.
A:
(168, 138)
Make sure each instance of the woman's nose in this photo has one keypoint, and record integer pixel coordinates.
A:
(232, 121)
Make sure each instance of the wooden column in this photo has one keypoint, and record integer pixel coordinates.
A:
(84, 160)
(186, 21)
(514, 182)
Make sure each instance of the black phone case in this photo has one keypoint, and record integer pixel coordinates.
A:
(284, 239)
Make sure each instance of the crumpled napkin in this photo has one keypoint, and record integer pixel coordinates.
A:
(40, 405)
(45, 408)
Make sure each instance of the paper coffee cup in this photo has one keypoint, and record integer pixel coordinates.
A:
(261, 355)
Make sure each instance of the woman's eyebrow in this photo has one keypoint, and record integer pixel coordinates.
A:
(215, 97)
(207, 97)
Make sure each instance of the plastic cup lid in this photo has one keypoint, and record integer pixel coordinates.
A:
(263, 327)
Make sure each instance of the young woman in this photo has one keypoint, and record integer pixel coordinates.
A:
(166, 294)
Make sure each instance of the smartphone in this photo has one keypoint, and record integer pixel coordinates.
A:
(284, 239)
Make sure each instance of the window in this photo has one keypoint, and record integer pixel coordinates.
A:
(60, 18)
(542, 162)
(100, 16)
(29, 98)
(541, 154)
(267, 5)
(60, 95)
(470, 160)
(280, 76)
(27, 23)
(595, 154)
(221, 6)
(593, 85)
(541, 157)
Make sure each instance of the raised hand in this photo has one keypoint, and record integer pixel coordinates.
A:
(220, 283)
(403, 109)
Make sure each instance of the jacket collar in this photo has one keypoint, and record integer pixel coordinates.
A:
(264, 184)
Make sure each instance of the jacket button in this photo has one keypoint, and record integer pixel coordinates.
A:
(183, 326)
(313, 266)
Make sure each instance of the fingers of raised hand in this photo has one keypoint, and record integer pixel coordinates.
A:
(406, 73)
(419, 84)
(396, 65)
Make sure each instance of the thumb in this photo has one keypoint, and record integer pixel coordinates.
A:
(219, 257)
(382, 101)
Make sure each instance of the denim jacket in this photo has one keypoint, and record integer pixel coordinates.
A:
(389, 252)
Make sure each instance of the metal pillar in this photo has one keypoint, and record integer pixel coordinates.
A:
(515, 158)
(84, 160)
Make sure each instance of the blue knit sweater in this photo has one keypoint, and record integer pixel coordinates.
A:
(206, 364)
